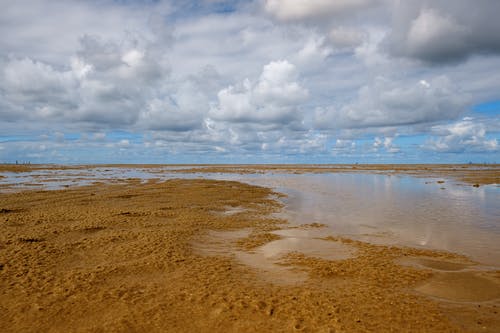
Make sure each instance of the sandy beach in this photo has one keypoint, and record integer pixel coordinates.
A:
(249, 166)
(170, 257)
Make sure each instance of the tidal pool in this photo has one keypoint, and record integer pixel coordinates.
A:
(433, 213)
(398, 210)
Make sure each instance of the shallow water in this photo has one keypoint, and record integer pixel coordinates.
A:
(399, 210)
(383, 209)
(267, 260)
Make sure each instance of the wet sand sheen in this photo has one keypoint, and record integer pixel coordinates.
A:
(268, 259)
(462, 287)
(457, 280)
(367, 203)
(124, 257)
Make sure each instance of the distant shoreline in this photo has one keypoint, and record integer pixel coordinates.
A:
(473, 174)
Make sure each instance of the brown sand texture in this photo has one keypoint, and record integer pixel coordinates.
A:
(170, 257)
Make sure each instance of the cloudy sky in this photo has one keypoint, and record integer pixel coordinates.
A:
(262, 81)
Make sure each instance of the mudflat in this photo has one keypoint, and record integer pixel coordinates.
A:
(475, 174)
(139, 257)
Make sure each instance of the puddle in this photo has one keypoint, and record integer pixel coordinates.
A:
(316, 248)
(434, 264)
(229, 210)
(457, 281)
(271, 269)
(462, 287)
(381, 209)
(377, 208)
(267, 260)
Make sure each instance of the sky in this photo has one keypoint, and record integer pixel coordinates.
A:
(257, 81)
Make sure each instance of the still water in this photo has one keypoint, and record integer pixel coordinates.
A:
(400, 210)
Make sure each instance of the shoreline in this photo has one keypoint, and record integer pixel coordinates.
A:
(120, 256)
(472, 174)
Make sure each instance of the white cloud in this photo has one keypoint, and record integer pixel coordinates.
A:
(99, 136)
(305, 9)
(432, 34)
(369, 51)
(386, 143)
(312, 56)
(444, 30)
(431, 27)
(347, 37)
(124, 143)
(387, 103)
(462, 136)
(32, 89)
(274, 98)
(343, 146)
(133, 58)
(50, 29)
(107, 83)
(191, 78)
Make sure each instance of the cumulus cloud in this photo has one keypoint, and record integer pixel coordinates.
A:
(462, 136)
(347, 37)
(444, 30)
(311, 57)
(106, 84)
(434, 32)
(385, 143)
(307, 9)
(51, 29)
(343, 146)
(386, 103)
(184, 108)
(274, 98)
(194, 78)
(31, 89)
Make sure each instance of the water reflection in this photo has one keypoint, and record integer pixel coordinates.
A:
(397, 210)
(268, 260)
(387, 209)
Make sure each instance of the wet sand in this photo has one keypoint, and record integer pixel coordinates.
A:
(199, 255)
(472, 174)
